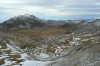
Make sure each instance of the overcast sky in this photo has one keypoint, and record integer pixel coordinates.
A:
(50, 9)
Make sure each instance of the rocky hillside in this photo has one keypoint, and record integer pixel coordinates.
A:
(86, 53)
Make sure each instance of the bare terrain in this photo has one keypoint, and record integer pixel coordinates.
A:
(43, 43)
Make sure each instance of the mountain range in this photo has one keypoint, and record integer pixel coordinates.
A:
(30, 21)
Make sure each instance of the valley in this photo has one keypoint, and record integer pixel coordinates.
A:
(44, 43)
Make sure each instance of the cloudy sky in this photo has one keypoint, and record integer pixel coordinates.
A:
(50, 9)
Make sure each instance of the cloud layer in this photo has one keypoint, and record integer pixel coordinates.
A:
(50, 9)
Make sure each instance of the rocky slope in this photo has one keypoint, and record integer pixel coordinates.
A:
(88, 52)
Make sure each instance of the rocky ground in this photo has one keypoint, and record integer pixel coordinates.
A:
(13, 56)
(61, 49)
(87, 55)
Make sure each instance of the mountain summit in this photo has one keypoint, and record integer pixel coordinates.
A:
(24, 21)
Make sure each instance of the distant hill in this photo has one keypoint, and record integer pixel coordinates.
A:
(24, 21)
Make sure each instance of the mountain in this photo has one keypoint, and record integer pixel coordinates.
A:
(96, 22)
(24, 21)
(72, 24)
(84, 28)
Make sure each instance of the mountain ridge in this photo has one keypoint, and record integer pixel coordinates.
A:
(31, 21)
